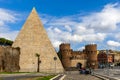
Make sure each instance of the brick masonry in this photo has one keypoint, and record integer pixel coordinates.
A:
(33, 39)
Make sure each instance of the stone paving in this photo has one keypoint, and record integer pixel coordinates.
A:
(115, 73)
(77, 76)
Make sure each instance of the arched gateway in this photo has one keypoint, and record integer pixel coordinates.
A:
(79, 65)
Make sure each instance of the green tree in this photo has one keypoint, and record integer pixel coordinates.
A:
(4, 41)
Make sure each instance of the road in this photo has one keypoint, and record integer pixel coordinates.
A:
(17, 77)
(20, 76)
(77, 76)
(109, 72)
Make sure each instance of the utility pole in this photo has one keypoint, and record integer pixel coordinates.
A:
(107, 51)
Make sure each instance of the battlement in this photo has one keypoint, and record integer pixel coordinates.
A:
(91, 47)
(65, 46)
(71, 58)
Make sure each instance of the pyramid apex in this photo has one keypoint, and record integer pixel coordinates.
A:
(33, 9)
(33, 15)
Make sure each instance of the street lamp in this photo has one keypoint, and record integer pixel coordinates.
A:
(55, 58)
(107, 62)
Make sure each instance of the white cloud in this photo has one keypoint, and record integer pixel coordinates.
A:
(113, 43)
(57, 30)
(94, 37)
(9, 35)
(94, 27)
(68, 28)
(81, 48)
(105, 20)
(76, 29)
(82, 30)
(56, 43)
(7, 17)
(117, 35)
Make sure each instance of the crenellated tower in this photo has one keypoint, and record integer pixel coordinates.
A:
(65, 52)
(91, 51)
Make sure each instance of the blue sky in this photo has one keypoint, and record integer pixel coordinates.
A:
(78, 22)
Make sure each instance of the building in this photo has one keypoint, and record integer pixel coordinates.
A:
(91, 52)
(90, 57)
(106, 57)
(117, 56)
(79, 59)
(33, 39)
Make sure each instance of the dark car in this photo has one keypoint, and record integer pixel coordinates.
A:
(85, 71)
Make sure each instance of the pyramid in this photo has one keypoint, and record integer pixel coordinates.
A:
(33, 39)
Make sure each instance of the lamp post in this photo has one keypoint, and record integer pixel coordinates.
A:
(107, 62)
(55, 58)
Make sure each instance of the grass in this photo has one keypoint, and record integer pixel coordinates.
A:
(1, 79)
(46, 77)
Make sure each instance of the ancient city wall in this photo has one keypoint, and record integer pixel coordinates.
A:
(74, 62)
(9, 59)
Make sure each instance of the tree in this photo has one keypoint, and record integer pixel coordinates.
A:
(38, 61)
(4, 41)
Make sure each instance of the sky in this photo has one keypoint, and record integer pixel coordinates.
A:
(78, 22)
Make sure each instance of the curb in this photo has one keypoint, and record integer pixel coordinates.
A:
(63, 76)
(55, 77)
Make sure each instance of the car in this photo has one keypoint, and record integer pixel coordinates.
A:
(85, 71)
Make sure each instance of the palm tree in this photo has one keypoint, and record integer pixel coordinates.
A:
(38, 61)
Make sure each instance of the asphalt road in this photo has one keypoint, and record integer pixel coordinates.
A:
(77, 76)
(80, 77)
(18, 77)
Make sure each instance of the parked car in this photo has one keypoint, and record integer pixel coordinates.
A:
(85, 71)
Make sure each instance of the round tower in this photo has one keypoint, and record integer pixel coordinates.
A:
(91, 51)
(65, 51)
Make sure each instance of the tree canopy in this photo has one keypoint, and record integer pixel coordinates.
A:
(4, 42)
